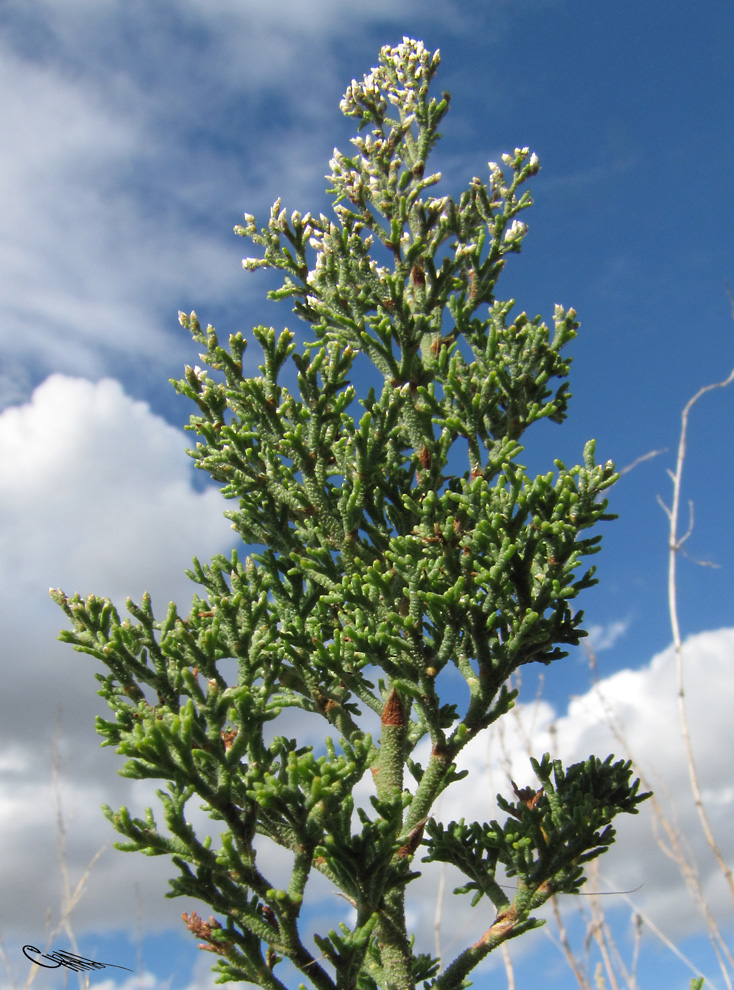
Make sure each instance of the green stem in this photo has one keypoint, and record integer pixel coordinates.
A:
(428, 789)
(504, 926)
(391, 761)
(392, 937)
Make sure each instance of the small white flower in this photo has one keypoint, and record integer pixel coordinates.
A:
(496, 177)
(517, 231)
(464, 250)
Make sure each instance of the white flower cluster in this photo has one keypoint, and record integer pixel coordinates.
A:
(410, 63)
(250, 227)
(515, 232)
(371, 146)
(465, 250)
(323, 228)
(195, 373)
(367, 93)
(409, 53)
(304, 223)
(439, 206)
(515, 161)
(496, 177)
(349, 179)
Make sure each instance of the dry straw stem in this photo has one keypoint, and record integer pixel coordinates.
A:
(667, 832)
(674, 848)
(70, 898)
(675, 544)
(673, 843)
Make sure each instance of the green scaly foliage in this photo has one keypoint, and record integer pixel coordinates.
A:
(378, 565)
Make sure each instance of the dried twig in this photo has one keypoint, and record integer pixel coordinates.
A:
(674, 545)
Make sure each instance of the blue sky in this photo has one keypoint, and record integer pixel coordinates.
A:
(134, 136)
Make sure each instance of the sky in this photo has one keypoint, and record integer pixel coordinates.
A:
(134, 137)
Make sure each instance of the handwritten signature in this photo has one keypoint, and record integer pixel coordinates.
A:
(68, 959)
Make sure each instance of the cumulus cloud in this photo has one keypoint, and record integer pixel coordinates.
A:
(634, 715)
(96, 490)
(96, 495)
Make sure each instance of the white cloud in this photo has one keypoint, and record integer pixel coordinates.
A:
(92, 245)
(604, 637)
(113, 171)
(632, 714)
(96, 495)
(96, 490)
(131, 146)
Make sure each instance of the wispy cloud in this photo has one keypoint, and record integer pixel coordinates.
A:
(131, 145)
(604, 637)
